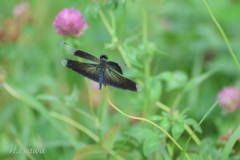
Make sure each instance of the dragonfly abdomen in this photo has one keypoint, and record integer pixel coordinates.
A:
(101, 78)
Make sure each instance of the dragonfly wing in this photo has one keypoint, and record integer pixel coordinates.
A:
(115, 66)
(77, 52)
(90, 71)
(113, 79)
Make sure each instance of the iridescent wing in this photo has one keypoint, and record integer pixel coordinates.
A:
(115, 66)
(77, 52)
(115, 80)
(90, 71)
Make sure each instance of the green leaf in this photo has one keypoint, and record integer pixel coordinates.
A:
(150, 144)
(193, 123)
(177, 130)
(140, 133)
(230, 143)
(93, 9)
(168, 76)
(154, 118)
(75, 124)
(196, 81)
(179, 80)
(133, 54)
(110, 137)
(165, 124)
(203, 118)
(91, 152)
(133, 72)
(36, 105)
(155, 88)
(47, 97)
(131, 39)
(73, 99)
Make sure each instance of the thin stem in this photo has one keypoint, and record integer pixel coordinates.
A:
(90, 97)
(114, 38)
(101, 112)
(144, 19)
(223, 34)
(20, 144)
(123, 54)
(75, 124)
(146, 120)
(163, 107)
(113, 22)
(177, 100)
(190, 132)
(105, 22)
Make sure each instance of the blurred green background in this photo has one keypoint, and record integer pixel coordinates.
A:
(168, 43)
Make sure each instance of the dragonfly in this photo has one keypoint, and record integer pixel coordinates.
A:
(104, 72)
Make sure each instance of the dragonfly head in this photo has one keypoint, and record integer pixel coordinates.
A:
(103, 57)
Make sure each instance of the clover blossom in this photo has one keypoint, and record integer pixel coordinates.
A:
(230, 98)
(70, 22)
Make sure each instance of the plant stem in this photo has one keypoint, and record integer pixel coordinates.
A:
(101, 113)
(177, 100)
(222, 32)
(114, 37)
(144, 19)
(190, 132)
(146, 120)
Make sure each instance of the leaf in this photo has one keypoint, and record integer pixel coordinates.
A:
(230, 143)
(168, 76)
(91, 152)
(47, 97)
(36, 105)
(179, 80)
(196, 81)
(203, 118)
(109, 138)
(150, 144)
(165, 124)
(177, 130)
(75, 124)
(131, 39)
(93, 9)
(140, 133)
(73, 99)
(132, 54)
(155, 88)
(154, 118)
(133, 72)
(193, 123)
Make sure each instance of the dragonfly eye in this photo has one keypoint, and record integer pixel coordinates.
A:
(103, 57)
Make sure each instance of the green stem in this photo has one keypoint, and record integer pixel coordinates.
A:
(144, 18)
(75, 124)
(113, 22)
(146, 120)
(222, 32)
(123, 54)
(105, 22)
(114, 38)
(190, 132)
(89, 95)
(101, 113)
(177, 100)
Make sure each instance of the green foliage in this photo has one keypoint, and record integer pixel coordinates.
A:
(180, 52)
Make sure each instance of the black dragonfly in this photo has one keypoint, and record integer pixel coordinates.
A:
(104, 72)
